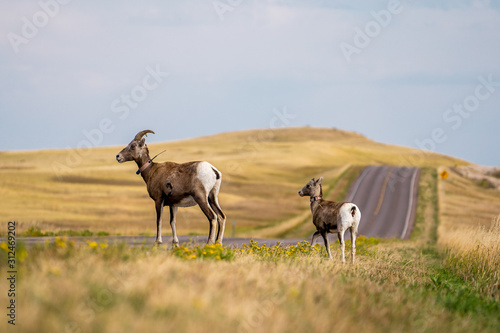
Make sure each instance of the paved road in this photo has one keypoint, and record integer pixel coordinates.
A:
(387, 198)
(149, 240)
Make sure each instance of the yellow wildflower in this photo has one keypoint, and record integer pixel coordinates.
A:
(60, 242)
(4, 247)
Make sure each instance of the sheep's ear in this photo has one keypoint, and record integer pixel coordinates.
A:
(141, 143)
(320, 179)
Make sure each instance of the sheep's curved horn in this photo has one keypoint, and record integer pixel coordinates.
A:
(142, 133)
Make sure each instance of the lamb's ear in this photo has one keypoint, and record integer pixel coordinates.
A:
(320, 179)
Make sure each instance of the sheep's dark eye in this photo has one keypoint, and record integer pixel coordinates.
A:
(308, 186)
(132, 146)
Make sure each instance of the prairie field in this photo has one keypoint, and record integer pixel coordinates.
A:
(87, 189)
(444, 279)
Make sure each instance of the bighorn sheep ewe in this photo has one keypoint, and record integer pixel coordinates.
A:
(335, 217)
(178, 185)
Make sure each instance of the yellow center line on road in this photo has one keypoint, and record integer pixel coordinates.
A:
(382, 193)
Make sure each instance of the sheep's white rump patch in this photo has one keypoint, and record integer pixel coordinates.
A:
(207, 176)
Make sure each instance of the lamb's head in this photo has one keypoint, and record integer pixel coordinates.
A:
(136, 149)
(312, 188)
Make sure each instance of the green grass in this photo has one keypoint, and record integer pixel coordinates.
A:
(35, 231)
(427, 217)
(485, 183)
(457, 295)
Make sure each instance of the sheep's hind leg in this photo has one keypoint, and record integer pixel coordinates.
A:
(211, 216)
(354, 234)
(221, 218)
(342, 244)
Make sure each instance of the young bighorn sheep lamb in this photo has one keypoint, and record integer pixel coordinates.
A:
(178, 185)
(334, 217)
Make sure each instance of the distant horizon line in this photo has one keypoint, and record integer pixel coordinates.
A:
(118, 145)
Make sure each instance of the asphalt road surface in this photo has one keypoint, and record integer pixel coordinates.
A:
(167, 240)
(387, 198)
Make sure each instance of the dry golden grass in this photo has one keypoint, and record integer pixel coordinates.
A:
(469, 232)
(474, 253)
(465, 203)
(262, 172)
(396, 286)
(79, 288)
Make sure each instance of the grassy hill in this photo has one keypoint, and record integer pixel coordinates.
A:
(55, 190)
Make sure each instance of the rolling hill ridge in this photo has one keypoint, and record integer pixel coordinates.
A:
(262, 172)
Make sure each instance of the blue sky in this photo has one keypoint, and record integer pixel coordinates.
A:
(413, 73)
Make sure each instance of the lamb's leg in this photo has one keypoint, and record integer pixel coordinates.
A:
(342, 244)
(353, 244)
(327, 244)
(159, 213)
(173, 214)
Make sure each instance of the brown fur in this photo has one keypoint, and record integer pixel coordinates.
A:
(325, 215)
(327, 218)
(171, 184)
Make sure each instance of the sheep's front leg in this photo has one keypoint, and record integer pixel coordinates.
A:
(327, 245)
(159, 213)
(315, 235)
(173, 213)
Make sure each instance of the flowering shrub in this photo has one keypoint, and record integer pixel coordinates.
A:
(94, 245)
(210, 252)
(7, 252)
(278, 251)
(62, 247)
(302, 249)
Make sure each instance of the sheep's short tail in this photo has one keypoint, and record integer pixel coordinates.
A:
(353, 211)
(217, 173)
